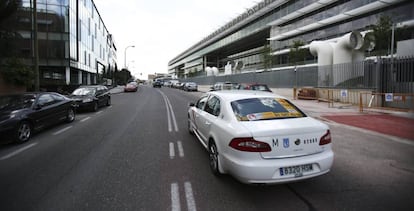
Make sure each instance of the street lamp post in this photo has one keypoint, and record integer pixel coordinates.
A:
(133, 46)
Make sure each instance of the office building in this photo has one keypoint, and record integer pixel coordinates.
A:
(273, 27)
(75, 47)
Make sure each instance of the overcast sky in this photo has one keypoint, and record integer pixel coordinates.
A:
(162, 29)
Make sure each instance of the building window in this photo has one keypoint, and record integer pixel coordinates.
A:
(89, 26)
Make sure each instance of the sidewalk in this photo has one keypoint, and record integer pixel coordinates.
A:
(116, 90)
(398, 124)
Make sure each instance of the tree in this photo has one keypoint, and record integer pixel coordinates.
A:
(7, 8)
(123, 76)
(16, 72)
(266, 54)
(382, 34)
(8, 31)
(297, 54)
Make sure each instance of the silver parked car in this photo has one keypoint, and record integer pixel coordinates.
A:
(190, 86)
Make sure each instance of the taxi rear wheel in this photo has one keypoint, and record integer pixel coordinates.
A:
(190, 128)
(213, 153)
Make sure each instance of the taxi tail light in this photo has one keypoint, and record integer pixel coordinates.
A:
(249, 145)
(326, 139)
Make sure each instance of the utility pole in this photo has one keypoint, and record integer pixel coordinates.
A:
(36, 47)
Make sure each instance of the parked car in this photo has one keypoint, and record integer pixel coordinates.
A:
(190, 86)
(22, 114)
(254, 86)
(157, 83)
(91, 97)
(260, 137)
(223, 86)
(167, 83)
(131, 87)
(180, 85)
(175, 83)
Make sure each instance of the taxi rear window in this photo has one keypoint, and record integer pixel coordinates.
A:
(265, 108)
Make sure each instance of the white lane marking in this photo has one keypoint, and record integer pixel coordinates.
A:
(18, 151)
(99, 112)
(172, 152)
(180, 149)
(191, 206)
(170, 113)
(62, 130)
(82, 120)
(175, 197)
(169, 116)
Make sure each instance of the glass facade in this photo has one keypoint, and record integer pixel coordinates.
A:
(72, 41)
(292, 26)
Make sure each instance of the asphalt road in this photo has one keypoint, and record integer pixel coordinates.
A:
(138, 155)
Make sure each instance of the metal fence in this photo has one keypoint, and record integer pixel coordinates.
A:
(281, 78)
(396, 75)
(379, 75)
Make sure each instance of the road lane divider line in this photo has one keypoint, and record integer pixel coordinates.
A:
(170, 113)
(172, 151)
(180, 149)
(18, 151)
(169, 117)
(189, 197)
(191, 206)
(62, 130)
(85, 119)
(99, 112)
(175, 197)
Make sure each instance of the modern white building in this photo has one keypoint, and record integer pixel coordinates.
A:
(273, 26)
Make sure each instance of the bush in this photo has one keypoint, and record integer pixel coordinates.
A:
(15, 72)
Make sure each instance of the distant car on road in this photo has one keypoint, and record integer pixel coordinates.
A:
(157, 83)
(190, 86)
(260, 137)
(91, 97)
(254, 86)
(22, 114)
(131, 87)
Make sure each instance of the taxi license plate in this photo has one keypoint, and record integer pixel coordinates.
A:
(295, 170)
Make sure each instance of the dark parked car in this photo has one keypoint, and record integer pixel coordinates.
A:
(91, 97)
(22, 114)
(157, 84)
(254, 86)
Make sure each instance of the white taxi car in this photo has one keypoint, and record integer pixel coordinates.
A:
(260, 137)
